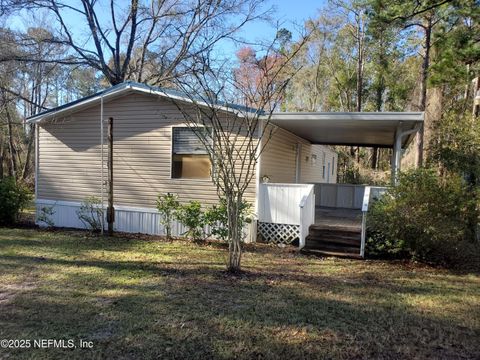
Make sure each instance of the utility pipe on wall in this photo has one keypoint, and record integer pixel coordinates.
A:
(101, 165)
(110, 208)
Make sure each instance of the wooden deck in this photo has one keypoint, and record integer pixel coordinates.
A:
(336, 232)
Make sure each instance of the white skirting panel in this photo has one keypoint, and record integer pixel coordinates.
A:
(127, 219)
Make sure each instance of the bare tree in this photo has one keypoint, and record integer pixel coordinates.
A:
(152, 42)
(237, 134)
(25, 89)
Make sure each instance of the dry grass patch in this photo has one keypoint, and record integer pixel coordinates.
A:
(143, 298)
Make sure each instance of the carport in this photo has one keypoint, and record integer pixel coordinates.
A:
(332, 217)
(393, 130)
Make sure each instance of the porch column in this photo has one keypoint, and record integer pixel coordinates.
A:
(298, 164)
(397, 154)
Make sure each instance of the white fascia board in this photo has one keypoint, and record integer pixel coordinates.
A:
(81, 104)
(368, 116)
(115, 91)
(50, 202)
(185, 99)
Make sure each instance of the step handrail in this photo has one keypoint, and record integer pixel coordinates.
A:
(307, 215)
(365, 203)
(367, 197)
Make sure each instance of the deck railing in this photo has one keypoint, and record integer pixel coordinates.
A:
(307, 215)
(371, 192)
(346, 196)
(286, 209)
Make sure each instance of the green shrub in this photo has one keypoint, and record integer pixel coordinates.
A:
(425, 217)
(192, 217)
(217, 218)
(14, 197)
(45, 215)
(90, 213)
(167, 206)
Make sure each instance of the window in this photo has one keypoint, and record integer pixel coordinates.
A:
(333, 165)
(190, 159)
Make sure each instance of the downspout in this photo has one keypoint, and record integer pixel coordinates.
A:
(37, 157)
(258, 167)
(298, 155)
(101, 165)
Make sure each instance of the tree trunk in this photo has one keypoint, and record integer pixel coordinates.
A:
(234, 234)
(476, 97)
(11, 145)
(423, 94)
(359, 76)
(379, 106)
(374, 158)
(26, 166)
(433, 114)
(360, 44)
(359, 82)
(2, 153)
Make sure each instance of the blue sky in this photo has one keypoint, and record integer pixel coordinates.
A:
(286, 13)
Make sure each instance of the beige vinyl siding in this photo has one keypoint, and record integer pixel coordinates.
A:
(70, 158)
(279, 159)
(312, 171)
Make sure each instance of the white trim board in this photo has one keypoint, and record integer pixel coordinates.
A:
(128, 219)
(77, 204)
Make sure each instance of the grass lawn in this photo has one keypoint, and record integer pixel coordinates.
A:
(145, 298)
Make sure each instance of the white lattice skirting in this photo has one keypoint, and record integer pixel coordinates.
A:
(278, 233)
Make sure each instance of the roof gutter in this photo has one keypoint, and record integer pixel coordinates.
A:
(186, 99)
(107, 93)
(120, 88)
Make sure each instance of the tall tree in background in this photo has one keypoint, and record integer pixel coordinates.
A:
(355, 11)
(387, 63)
(253, 78)
(425, 16)
(355, 15)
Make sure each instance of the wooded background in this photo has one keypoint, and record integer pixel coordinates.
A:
(352, 55)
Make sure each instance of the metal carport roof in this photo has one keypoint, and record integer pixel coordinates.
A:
(355, 128)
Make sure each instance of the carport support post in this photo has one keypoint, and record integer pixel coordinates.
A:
(397, 154)
(110, 208)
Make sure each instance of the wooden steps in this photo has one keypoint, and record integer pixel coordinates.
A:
(331, 253)
(334, 239)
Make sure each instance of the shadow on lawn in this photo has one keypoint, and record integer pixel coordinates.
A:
(193, 310)
(215, 271)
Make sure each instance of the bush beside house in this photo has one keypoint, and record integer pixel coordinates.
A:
(427, 218)
(14, 197)
(196, 219)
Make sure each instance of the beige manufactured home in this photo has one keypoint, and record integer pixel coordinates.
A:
(154, 152)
